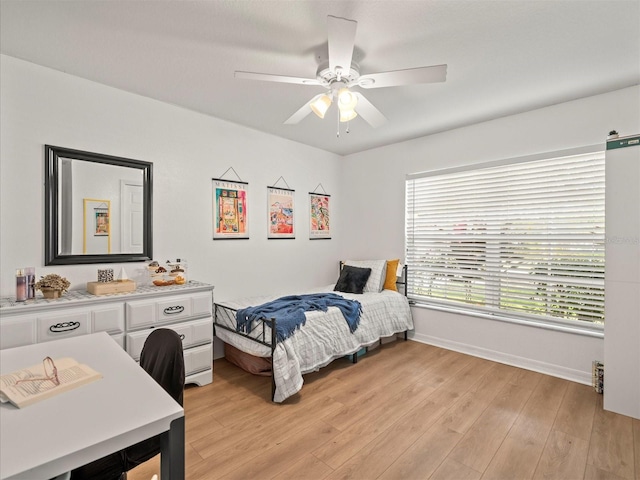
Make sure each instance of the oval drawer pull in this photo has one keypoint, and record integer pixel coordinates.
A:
(64, 327)
(173, 310)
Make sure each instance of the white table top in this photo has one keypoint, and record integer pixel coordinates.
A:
(76, 427)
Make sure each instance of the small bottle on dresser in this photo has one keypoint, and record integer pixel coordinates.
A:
(30, 273)
(21, 285)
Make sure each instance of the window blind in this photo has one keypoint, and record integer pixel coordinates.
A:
(524, 239)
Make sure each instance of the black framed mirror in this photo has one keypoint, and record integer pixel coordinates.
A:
(98, 208)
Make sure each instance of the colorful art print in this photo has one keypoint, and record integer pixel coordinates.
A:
(280, 202)
(102, 223)
(319, 226)
(230, 214)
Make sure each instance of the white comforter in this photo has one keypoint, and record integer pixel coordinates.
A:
(324, 336)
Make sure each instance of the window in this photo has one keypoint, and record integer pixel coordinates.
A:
(522, 239)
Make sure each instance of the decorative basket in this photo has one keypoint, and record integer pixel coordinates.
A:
(51, 292)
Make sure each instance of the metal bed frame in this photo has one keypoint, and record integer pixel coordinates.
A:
(259, 333)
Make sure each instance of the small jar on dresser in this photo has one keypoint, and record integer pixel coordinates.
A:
(128, 317)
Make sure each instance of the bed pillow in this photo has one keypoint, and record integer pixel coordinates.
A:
(352, 279)
(391, 276)
(378, 273)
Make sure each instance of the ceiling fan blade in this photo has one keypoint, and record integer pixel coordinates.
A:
(276, 78)
(436, 73)
(368, 112)
(302, 112)
(342, 37)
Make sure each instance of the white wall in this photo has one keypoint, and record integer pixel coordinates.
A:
(42, 106)
(373, 186)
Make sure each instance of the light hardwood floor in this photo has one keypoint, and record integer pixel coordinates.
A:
(405, 411)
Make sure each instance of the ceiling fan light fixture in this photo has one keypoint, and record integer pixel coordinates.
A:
(346, 115)
(321, 105)
(346, 100)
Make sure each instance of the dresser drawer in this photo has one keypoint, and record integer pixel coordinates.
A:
(119, 339)
(45, 326)
(17, 331)
(108, 319)
(176, 308)
(147, 313)
(172, 309)
(197, 332)
(63, 324)
(202, 304)
(198, 359)
(140, 314)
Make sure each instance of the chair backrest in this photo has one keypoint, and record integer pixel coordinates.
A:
(163, 359)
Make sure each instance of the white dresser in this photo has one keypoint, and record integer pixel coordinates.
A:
(128, 317)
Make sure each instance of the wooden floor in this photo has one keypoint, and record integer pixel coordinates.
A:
(405, 411)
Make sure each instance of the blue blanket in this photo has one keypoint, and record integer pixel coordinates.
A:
(289, 312)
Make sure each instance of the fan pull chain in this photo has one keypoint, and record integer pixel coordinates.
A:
(338, 134)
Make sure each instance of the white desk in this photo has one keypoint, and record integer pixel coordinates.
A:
(76, 427)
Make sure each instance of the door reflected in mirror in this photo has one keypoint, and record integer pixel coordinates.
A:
(98, 208)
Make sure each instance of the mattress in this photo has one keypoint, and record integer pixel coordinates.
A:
(324, 337)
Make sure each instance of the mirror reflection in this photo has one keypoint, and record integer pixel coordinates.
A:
(98, 208)
(104, 205)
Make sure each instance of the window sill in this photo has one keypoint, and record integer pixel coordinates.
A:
(595, 331)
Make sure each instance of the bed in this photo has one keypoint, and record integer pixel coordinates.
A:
(324, 335)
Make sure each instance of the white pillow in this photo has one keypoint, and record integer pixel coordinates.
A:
(378, 273)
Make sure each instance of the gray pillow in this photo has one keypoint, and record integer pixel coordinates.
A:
(352, 279)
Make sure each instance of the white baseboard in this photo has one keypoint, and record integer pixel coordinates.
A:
(573, 375)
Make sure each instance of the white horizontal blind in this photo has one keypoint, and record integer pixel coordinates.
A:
(523, 239)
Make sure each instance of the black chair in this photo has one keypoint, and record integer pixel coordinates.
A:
(163, 359)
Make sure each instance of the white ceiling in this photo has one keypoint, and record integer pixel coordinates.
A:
(503, 57)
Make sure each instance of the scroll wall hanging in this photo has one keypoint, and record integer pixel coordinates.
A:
(230, 212)
(319, 215)
(281, 210)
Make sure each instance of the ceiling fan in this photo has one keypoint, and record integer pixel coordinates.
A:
(340, 74)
